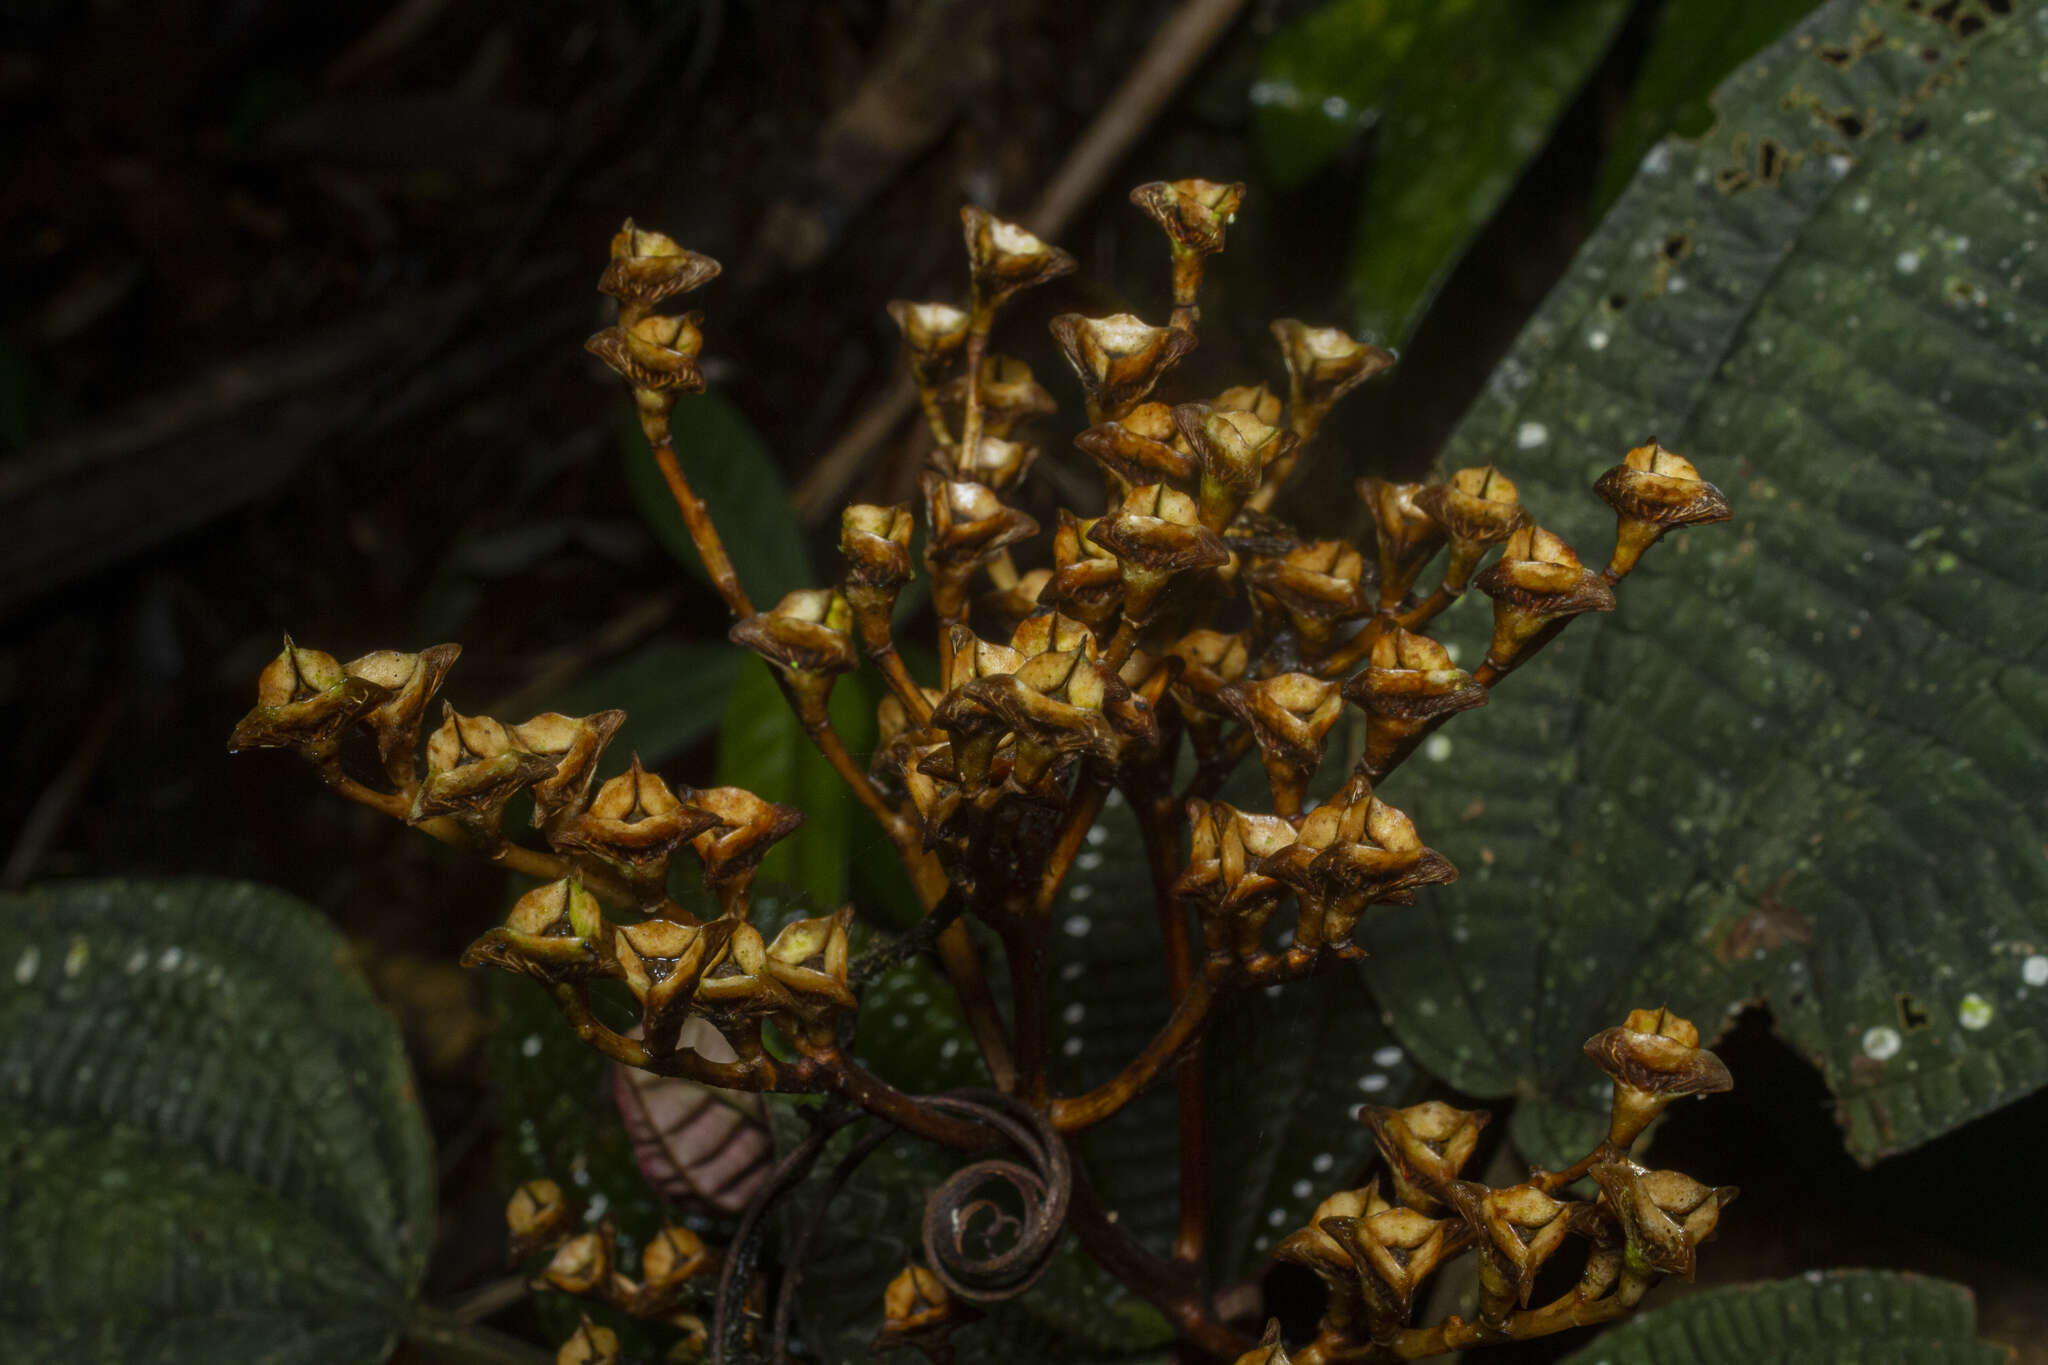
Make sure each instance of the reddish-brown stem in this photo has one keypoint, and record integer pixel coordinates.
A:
(697, 520)
(827, 1069)
(1081, 812)
(1072, 1114)
(1158, 824)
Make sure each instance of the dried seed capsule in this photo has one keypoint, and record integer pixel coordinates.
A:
(1377, 859)
(918, 1313)
(1050, 633)
(591, 1345)
(1289, 715)
(648, 267)
(1256, 399)
(1654, 1058)
(581, 1265)
(1537, 586)
(1394, 1252)
(656, 354)
(1155, 535)
(1196, 214)
(1316, 1249)
(411, 680)
(1269, 1351)
(1654, 490)
(1318, 585)
(932, 332)
(1665, 1215)
(742, 986)
(554, 933)
(474, 766)
(1478, 508)
(1407, 536)
(635, 825)
(1087, 582)
(1409, 689)
(747, 828)
(994, 461)
(810, 957)
(1236, 921)
(304, 700)
(1118, 358)
(807, 637)
(537, 1215)
(673, 1256)
(574, 744)
(1425, 1146)
(1323, 364)
(967, 524)
(1518, 1229)
(1003, 258)
(1236, 448)
(662, 962)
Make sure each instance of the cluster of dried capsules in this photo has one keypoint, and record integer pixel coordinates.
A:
(1183, 618)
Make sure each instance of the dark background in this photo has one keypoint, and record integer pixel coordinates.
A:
(294, 304)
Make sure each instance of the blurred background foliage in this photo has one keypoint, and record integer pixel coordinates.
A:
(295, 297)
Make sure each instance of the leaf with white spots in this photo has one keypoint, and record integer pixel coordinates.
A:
(1804, 761)
(1814, 1319)
(211, 1149)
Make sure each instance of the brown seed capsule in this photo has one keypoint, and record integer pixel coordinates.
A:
(1007, 394)
(1136, 452)
(1518, 1229)
(1316, 1249)
(806, 636)
(672, 1258)
(919, 1314)
(656, 354)
(411, 680)
(1654, 1058)
(742, 986)
(1155, 535)
(575, 744)
(998, 463)
(1323, 364)
(1235, 449)
(1087, 582)
(474, 766)
(1118, 358)
(635, 825)
(1665, 1215)
(1537, 586)
(1377, 859)
(537, 1215)
(1051, 632)
(662, 962)
(967, 524)
(810, 956)
(1196, 214)
(932, 332)
(304, 701)
(1409, 689)
(581, 1265)
(1654, 490)
(1406, 535)
(1003, 258)
(1425, 1146)
(1234, 896)
(1289, 715)
(1478, 509)
(1318, 585)
(1269, 1351)
(747, 828)
(554, 933)
(591, 1345)
(1395, 1252)
(648, 267)
(1256, 399)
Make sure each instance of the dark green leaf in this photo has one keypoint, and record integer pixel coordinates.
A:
(1802, 762)
(1463, 94)
(729, 467)
(672, 692)
(1477, 99)
(1698, 43)
(212, 1149)
(1820, 1318)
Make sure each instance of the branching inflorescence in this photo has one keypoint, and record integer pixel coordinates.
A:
(1175, 631)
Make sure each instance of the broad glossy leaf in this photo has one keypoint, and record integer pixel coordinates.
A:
(1697, 44)
(1803, 761)
(209, 1142)
(1820, 1318)
(731, 469)
(1462, 95)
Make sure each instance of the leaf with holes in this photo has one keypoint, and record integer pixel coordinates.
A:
(213, 1150)
(1802, 762)
(1839, 1315)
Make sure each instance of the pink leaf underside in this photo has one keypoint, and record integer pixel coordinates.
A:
(694, 1142)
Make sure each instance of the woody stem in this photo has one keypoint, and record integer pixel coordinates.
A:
(1157, 822)
(654, 411)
